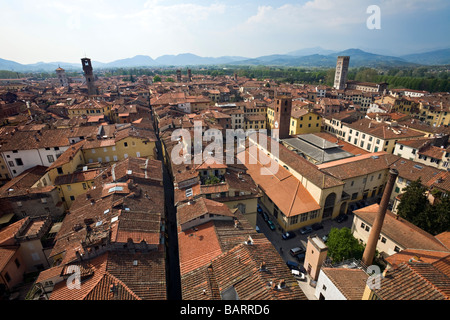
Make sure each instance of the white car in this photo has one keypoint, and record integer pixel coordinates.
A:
(298, 275)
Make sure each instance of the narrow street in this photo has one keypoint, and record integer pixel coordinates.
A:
(173, 265)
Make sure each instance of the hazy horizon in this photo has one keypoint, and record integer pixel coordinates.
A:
(106, 31)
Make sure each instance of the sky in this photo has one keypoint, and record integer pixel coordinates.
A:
(106, 30)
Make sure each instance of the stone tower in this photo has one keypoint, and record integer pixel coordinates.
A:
(282, 117)
(89, 76)
(62, 77)
(340, 76)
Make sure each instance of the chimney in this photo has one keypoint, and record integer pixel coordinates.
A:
(371, 246)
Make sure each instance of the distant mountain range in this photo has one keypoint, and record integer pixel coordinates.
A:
(312, 57)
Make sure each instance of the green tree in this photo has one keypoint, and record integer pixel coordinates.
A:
(436, 218)
(156, 79)
(212, 180)
(342, 245)
(413, 203)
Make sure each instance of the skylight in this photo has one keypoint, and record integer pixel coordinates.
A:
(114, 189)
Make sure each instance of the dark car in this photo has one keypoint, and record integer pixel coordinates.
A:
(271, 225)
(317, 226)
(259, 209)
(265, 216)
(292, 265)
(306, 230)
(300, 257)
(341, 218)
(288, 235)
(296, 251)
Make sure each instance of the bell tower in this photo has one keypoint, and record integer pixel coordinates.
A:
(89, 76)
(282, 116)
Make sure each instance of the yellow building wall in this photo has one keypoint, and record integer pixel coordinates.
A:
(67, 168)
(304, 125)
(250, 208)
(128, 147)
(90, 112)
(74, 190)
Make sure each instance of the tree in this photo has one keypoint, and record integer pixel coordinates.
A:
(156, 79)
(436, 217)
(414, 203)
(342, 245)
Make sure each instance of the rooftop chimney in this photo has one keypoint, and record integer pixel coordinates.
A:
(371, 246)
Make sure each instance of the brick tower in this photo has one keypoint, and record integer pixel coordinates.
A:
(282, 117)
(89, 76)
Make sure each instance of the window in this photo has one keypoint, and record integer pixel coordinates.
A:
(72, 198)
(7, 277)
(303, 217)
(367, 228)
(363, 225)
(50, 158)
(397, 249)
(11, 164)
(125, 144)
(59, 170)
(383, 240)
(69, 187)
(19, 161)
(17, 263)
(324, 288)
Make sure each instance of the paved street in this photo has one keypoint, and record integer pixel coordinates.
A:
(274, 236)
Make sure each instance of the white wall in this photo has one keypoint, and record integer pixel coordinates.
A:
(330, 292)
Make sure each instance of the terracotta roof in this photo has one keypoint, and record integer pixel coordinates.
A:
(25, 180)
(427, 256)
(359, 165)
(350, 282)
(197, 247)
(410, 170)
(444, 238)
(283, 188)
(118, 276)
(28, 140)
(8, 233)
(199, 207)
(414, 281)
(381, 130)
(400, 230)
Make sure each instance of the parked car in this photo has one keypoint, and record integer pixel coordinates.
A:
(317, 226)
(306, 230)
(288, 235)
(265, 216)
(292, 265)
(301, 256)
(271, 225)
(259, 209)
(258, 229)
(325, 238)
(296, 251)
(341, 218)
(298, 275)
